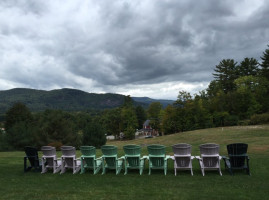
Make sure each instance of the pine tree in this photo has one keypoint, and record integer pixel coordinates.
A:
(226, 73)
(248, 67)
(265, 64)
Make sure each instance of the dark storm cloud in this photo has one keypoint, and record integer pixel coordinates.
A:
(109, 44)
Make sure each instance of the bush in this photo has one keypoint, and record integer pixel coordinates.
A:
(244, 122)
(129, 133)
(57, 145)
(231, 120)
(3, 142)
(259, 119)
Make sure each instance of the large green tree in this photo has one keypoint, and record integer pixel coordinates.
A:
(57, 127)
(129, 122)
(19, 122)
(111, 120)
(141, 116)
(248, 67)
(94, 134)
(17, 113)
(154, 111)
(225, 73)
(169, 121)
(265, 64)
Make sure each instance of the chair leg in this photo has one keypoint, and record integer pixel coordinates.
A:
(125, 166)
(103, 166)
(248, 172)
(25, 164)
(203, 171)
(175, 171)
(82, 171)
(220, 172)
(58, 168)
(62, 167)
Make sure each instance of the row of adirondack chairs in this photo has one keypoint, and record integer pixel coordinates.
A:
(157, 158)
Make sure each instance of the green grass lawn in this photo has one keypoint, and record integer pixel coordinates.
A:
(15, 184)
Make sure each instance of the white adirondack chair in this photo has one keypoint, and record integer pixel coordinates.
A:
(49, 160)
(210, 158)
(182, 157)
(69, 160)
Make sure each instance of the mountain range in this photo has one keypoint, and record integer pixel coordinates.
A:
(67, 99)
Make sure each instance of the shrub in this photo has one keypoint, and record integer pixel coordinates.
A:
(57, 145)
(231, 120)
(244, 122)
(259, 119)
(129, 133)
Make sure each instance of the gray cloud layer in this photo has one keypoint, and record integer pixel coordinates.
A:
(126, 46)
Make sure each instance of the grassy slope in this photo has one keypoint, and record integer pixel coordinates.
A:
(14, 184)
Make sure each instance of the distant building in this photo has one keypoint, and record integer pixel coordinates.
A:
(148, 130)
(146, 125)
(110, 137)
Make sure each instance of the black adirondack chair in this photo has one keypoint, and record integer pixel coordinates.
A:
(33, 160)
(238, 158)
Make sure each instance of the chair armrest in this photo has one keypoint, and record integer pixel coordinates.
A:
(172, 157)
(198, 157)
(100, 158)
(167, 157)
(121, 158)
(226, 162)
(225, 158)
(145, 157)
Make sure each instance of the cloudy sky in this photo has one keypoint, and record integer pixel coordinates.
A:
(151, 48)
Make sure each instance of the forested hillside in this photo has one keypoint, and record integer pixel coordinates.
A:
(63, 99)
(67, 100)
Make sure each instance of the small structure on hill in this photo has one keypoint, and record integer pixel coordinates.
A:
(148, 130)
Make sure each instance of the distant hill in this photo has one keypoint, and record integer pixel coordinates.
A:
(66, 99)
(146, 100)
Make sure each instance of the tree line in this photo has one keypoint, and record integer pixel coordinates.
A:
(57, 127)
(238, 95)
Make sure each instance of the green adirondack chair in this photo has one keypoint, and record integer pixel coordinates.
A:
(89, 160)
(110, 159)
(157, 158)
(133, 158)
